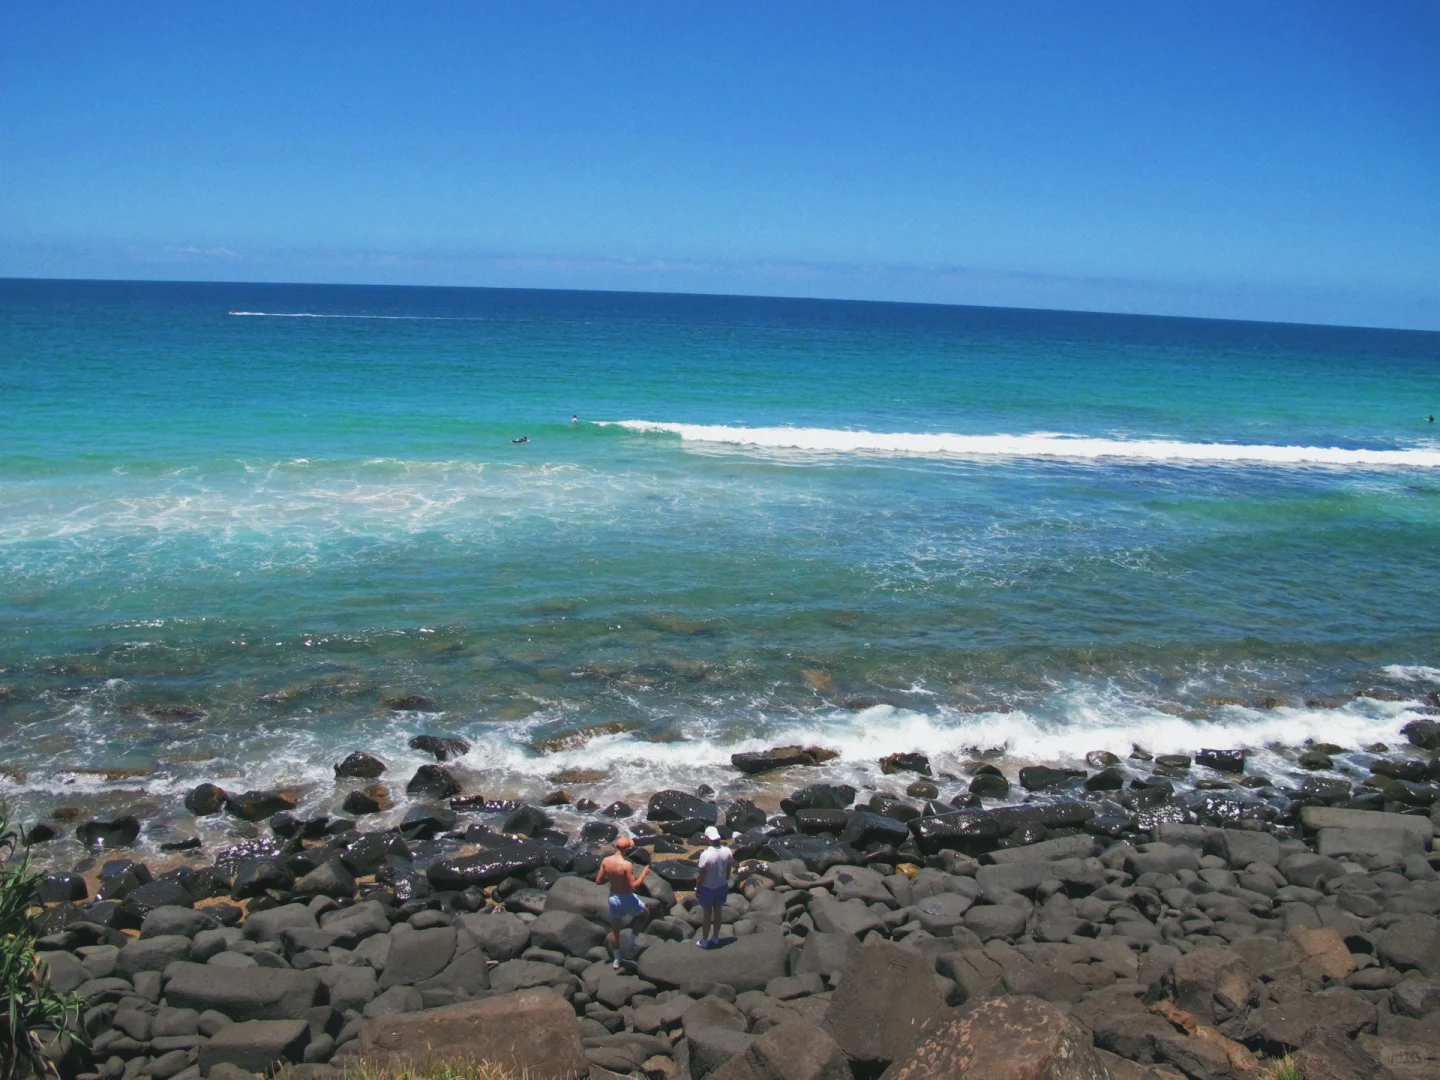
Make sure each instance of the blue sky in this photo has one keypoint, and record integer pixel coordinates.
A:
(1272, 160)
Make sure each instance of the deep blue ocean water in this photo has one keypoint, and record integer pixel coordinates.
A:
(227, 540)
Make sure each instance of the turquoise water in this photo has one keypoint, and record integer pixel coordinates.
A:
(777, 520)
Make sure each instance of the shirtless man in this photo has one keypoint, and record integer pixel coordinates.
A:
(619, 873)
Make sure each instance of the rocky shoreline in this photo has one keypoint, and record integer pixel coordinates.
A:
(1111, 927)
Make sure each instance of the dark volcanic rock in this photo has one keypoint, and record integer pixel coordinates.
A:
(527, 821)
(61, 887)
(1231, 761)
(781, 757)
(364, 802)
(970, 832)
(990, 784)
(911, 762)
(1111, 779)
(258, 805)
(109, 832)
(206, 799)
(410, 703)
(490, 867)
(441, 747)
(1043, 778)
(679, 806)
(747, 963)
(432, 782)
(864, 829)
(367, 854)
(1423, 733)
(258, 993)
(360, 765)
(819, 797)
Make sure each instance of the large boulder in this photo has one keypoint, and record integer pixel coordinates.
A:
(259, 805)
(1005, 1038)
(781, 757)
(747, 963)
(533, 1033)
(151, 954)
(1389, 837)
(252, 993)
(886, 995)
(678, 806)
(490, 867)
(795, 1050)
(417, 956)
(256, 1046)
(580, 896)
(501, 934)
(360, 765)
(432, 782)
(564, 930)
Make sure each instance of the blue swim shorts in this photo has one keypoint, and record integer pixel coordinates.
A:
(712, 897)
(623, 904)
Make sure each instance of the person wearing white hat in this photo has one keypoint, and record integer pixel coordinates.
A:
(713, 887)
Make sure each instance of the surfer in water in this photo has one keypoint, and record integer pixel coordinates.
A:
(576, 419)
(522, 439)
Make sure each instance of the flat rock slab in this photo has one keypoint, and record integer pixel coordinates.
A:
(747, 963)
(886, 995)
(794, 1050)
(257, 1046)
(1006, 1038)
(1368, 832)
(534, 1033)
(243, 994)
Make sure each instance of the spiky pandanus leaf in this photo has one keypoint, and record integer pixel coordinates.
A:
(31, 1005)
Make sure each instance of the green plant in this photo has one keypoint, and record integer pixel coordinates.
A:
(32, 1009)
(1284, 1069)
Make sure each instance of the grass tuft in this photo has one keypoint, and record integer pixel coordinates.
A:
(1284, 1069)
(431, 1070)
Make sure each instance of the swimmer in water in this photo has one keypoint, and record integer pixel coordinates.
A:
(619, 873)
(523, 438)
(1431, 418)
(576, 419)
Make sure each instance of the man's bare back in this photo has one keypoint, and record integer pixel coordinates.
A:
(619, 873)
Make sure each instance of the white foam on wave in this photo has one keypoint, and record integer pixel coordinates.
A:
(1413, 673)
(327, 315)
(1040, 444)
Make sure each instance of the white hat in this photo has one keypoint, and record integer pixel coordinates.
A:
(712, 833)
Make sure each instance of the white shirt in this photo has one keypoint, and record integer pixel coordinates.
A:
(715, 863)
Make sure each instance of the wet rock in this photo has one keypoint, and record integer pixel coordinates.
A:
(1044, 778)
(109, 832)
(371, 850)
(574, 740)
(1172, 762)
(1006, 1038)
(670, 806)
(970, 832)
(1101, 759)
(1314, 759)
(1111, 779)
(863, 829)
(906, 762)
(490, 867)
(819, 797)
(527, 821)
(370, 800)
(1423, 733)
(781, 757)
(61, 887)
(409, 703)
(205, 799)
(432, 782)
(258, 875)
(360, 765)
(618, 809)
(331, 878)
(990, 784)
(258, 805)
(440, 747)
